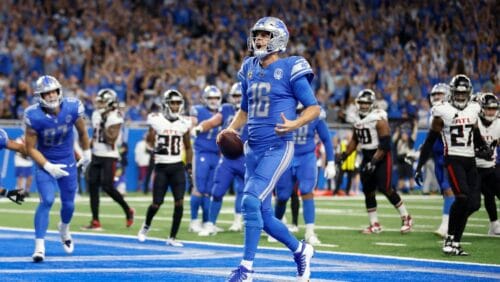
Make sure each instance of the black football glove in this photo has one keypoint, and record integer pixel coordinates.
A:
(419, 177)
(16, 195)
(369, 168)
(484, 152)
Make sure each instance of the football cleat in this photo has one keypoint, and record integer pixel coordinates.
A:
(237, 226)
(209, 229)
(66, 239)
(293, 228)
(130, 217)
(143, 232)
(407, 224)
(494, 228)
(94, 225)
(39, 253)
(38, 256)
(447, 245)
(456, 250)
(312, 238)
(173, 242)
(195, 226)
(240, 274)
(303, 261)
(374, 228)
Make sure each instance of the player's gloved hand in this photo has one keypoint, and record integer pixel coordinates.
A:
(16, 195)
(197, 130)
(56, 170)
(484, 152)
(369, 168)
(85, 159)
(330, 170)
(419, 177)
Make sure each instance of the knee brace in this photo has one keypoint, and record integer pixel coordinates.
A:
(251, 211)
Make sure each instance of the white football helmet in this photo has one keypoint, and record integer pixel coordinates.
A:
(212, 97)
(279, 36)
(435, 98)
(107, 99)
(460, 91)
(170, 97)
(235, 95)
(488, 101)
(46, 84)
(365, 96)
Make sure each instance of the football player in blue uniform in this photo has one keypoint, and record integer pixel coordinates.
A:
(271, 87)
(16, 195)
(206, 156)
(304, 171)
(49, 142)
(228, 170)
(439, 94)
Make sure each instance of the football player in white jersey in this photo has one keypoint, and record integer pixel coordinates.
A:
(371, 130)
(106, 121)
(489, 126)
(170, 132)
(457, 121)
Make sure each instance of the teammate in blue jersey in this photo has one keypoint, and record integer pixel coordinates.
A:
(15, 195)
(49, 142)
(304, 172)
(229, 170)
(271, 87)
(439, 93)
(206, 156)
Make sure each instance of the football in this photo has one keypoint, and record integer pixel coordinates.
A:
(230, 145)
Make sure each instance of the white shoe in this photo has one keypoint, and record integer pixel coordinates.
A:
(174, 243)
(218, 229)
(143, 232)
(303, 261)
(39, 253)
(494, 228)
(209, 229)
(312, 238)
(195, 226)
(271, 239)
(442, 231)
(236, 226)
(293, 228)
(67, 241)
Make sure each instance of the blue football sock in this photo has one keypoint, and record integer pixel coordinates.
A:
(215, 206)
(448, 201)
(279, 231)
(253, 225)
(205, 205)
(42, 212)
(309, 210)
(195, 205)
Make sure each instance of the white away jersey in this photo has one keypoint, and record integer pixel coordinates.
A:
(366, 129)
(99, 146)
(457, 132)
(169, 137)
(490, 134)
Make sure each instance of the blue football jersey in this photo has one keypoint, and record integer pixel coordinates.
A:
(228, 112)
(304, 137)
(55, 133)
(3, 139)
(205, 142)
(268, 92)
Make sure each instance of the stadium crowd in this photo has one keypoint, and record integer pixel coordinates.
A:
(398, 48)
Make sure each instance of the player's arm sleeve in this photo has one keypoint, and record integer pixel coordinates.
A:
(304, 92)
(3, 139)
(300, 68)
(242, 74)
(324, 135)
(426, 150)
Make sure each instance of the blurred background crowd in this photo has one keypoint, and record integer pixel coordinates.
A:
(141, 48)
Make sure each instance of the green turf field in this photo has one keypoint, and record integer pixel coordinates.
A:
(338, 222)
